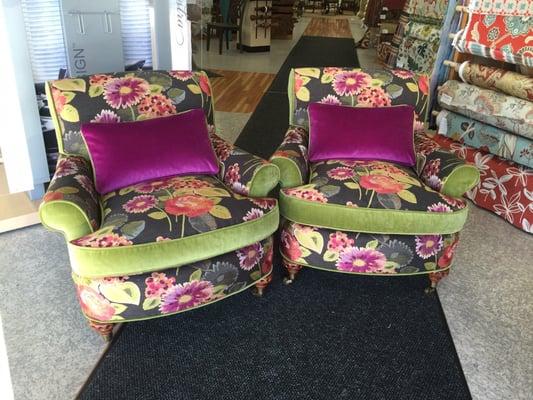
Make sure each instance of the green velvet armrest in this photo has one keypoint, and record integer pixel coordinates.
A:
(442, 170)
(243, 172)
(71, 203)
(291, 158)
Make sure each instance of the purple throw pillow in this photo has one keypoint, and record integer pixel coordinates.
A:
(127, 153)
(356, 133)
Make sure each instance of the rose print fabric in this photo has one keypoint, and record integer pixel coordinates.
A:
(509, 82)
(125, 96)
(73, 182)
(505, 188)
(171, 208)
(484, 105)
(173, 290)
(355, 87)
(364, 253)
(489, 138)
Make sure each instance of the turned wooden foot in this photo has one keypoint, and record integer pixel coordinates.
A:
(261, 285)
(292, 270)
(104, 330)
(434, 279)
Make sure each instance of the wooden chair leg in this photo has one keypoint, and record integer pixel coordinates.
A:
(104, 330)
(261, 285)
(228, 33)
(208, 38)
(220, 40)
(292, 270)
(435, 278)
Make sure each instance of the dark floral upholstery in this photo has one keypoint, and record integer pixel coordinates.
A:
(73, 182)
(171, 208)
(124, 96)
(355, 87)
(366, 253)
(293, 149)
(173, 290)
(372, 184)
(237, 167)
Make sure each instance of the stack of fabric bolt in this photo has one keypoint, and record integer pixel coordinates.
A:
(416, 41)
(488, 119)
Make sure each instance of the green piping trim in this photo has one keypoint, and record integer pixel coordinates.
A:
(179, 312)
(286, 182)
(59, 225)
(148, 257)
(290, 94)
(458, 189)
(364, 273)
(258, 190)
(369, 220)
(55, 119)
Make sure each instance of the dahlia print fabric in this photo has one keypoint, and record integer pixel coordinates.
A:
(364, 253)
(124, 96)
(173, 290)
(373, 184)
(238, 167)
(357, 88)
(500, 30)
(171, 208)
(73, 182)
(505, 188)
(489, 138)
(497, 109)
(294, 148)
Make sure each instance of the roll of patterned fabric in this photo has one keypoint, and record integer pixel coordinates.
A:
(486, 137)
(417, 55)
(500, 110)
(505, 188)
(508, 82)
(422, 31)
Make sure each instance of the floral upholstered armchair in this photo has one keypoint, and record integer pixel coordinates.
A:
(162, 246)
(368, 217)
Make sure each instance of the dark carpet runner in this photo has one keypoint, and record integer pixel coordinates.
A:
(327, 336)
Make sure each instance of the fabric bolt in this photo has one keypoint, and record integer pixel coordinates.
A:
(417, 55)
(427, 8)
(422, 31)
(505, 188)
(381, 133)
(500, 37)
(487, 137)
(484, 105)
(126, 153)
(509, 82)
(502, 7)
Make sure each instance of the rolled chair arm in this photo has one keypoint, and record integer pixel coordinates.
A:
(291, 158)
(71, 204)
(442, 170)
(243, 172)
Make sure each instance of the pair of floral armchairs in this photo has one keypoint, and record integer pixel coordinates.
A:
(169, 245)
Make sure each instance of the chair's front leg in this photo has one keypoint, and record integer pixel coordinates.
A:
(435, 278)
(292, 270)
(104, 330)
(261, 285)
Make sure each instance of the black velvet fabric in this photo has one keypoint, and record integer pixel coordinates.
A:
(327, 336)
(267, 126)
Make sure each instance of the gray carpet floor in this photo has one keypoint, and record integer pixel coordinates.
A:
(488, 301)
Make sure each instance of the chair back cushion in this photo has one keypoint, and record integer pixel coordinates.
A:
(132, 152)
(356, 87)
(357, 133)
(123, 97)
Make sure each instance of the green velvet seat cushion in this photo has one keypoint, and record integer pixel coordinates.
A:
(373, 197)
(170, 222)
(366, 253)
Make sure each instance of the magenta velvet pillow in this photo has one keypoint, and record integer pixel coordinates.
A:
(126, 153)
(356, 133)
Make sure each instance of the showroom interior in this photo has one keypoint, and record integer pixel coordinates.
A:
(266, 199)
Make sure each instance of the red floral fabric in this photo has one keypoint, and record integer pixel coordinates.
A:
(505, 188)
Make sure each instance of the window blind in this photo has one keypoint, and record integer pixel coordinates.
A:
(42, 19)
